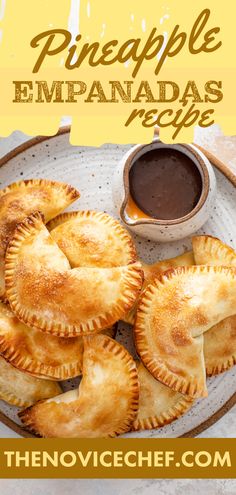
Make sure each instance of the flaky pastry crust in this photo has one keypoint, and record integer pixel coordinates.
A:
(156, 270)
(22, 390)
(44, 292)
(92, 239)
(173, 314)
(211, 251)
(106, 403)
(220, 340)
(159, 405)
(20, 199)
(220, 347)
(27, 349)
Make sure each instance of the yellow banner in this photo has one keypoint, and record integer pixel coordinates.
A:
(120, 458)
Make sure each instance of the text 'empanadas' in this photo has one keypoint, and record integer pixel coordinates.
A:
(20, 199)
(106, 403)
(172, 316)
(46, 293)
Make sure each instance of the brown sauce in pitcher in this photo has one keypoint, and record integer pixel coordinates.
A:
(165, 184)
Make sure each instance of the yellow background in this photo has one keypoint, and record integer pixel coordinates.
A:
(101, 20)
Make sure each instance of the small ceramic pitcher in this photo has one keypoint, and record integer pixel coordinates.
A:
(165, 230)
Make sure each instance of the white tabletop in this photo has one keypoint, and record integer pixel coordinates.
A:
(225, 427)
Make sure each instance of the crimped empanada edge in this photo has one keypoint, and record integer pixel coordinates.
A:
(218, 368)
(70, 191)
(166, 417)
(35, 368)
(159, 371)
(115, 348)
(132, 286)
(3, 298)
(13, 400)
(214, 247)
(38, 369)
(156, 368)
(104, 218)
(131, 315)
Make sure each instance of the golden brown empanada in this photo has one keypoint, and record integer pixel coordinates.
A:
(22, 390)
(156, 270)
(172, 316)
(211, 251)
(220, 346)
(45, 293)
(28, 349)
(20, 199)
(220, 340)
(92, 239)
(106, 403)
(159, 405)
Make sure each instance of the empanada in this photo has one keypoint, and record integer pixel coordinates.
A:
(156, 270)
(159, 405)
(220, 346)
(172, 316)
(211, 251)
(22, 390)
(45, 293)
(92, 239)
(28, 349)
(20, 199)
(106, 403)
(220, 340)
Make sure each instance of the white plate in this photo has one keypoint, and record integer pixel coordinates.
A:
(90, 170)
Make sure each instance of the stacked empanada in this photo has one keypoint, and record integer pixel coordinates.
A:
(105, 404)
(66, 279)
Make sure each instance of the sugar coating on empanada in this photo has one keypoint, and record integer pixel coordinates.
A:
(157, 269)
(20, 199)
(92, 239)
(45, 293)
(172, 316)
(28, 349)
(220, 340)
(159, 405)
(22, 390)
(106, 403)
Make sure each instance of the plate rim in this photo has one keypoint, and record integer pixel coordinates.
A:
(228, 173)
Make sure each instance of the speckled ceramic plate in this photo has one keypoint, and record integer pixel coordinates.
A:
(90, 170)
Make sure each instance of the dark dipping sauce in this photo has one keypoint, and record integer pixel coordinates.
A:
(165, 184)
